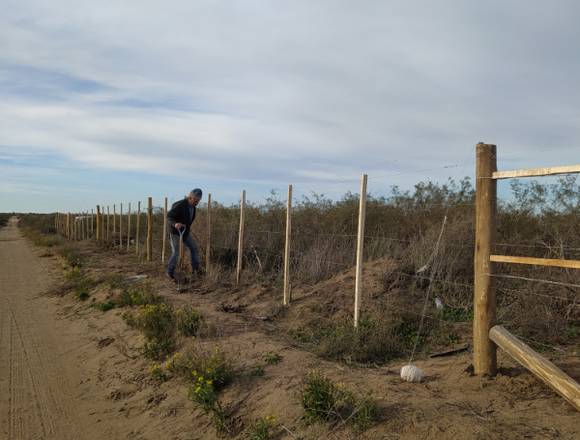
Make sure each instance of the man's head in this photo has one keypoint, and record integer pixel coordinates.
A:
(194, 196)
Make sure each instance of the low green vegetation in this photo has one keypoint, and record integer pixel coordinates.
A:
(327, 402)
(160, 323)
(208, 372)
(189, 321)
(104, 306)
(137, 295)
(157, 323)
(456, 314)
(262, 428)
(271, 358)
(374, 341)
(79, 283)
(72, 256)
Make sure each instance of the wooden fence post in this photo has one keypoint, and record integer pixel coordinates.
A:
(129, 227)
(362, 209)
(137, 228)
(92, 224)
(164, 231)
(484, 350)
(114, 224)
(107, 224)
(241, 238)
(68, 226)
(121, 226)
(99, 223)
(541, 367)
(208, 244)
(287, 247)
(149, 228)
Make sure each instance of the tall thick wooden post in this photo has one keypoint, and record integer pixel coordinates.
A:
(208, 244)
(99, 223)
(149, 228)
(241, 238)
(68, 227)
(137, 228)
(164, 241)
(362, 209)
(287, 247)
(484, 350)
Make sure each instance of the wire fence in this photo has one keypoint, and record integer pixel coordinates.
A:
(324, 240)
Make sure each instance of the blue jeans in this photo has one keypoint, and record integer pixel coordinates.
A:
(189, 243)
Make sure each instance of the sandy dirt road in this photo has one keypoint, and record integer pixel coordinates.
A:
(42, 391)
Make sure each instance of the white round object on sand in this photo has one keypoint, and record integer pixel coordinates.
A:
(411, 373)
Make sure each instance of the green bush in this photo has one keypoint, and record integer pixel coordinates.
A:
(157, 323)
(319, 398)
(209, 372)
(271, 358)
(189, 321)
(262, 428)
(324, 401)
(83, 295)
(104, 306)
(72, 256)
(138, 295)
(79, 283)
(374, 341)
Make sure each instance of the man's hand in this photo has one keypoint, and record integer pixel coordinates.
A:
(179, 226)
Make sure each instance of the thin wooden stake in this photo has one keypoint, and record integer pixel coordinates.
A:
(137, 228)
(149, 228)
(99, 223)
(108, 226)
(484, 350)
(128, 227)
(92, 224)
(287, 247)
(360, 247)
(114, 224)
(164, 231)
(121, 226)
(241, 238)
(208, 244)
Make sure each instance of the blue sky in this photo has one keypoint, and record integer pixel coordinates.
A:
(109, 102)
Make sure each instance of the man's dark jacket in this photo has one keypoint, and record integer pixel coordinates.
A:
(180, 213)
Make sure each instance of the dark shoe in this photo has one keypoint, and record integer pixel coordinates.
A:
(171, 275)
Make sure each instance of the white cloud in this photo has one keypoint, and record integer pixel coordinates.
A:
(290, 91)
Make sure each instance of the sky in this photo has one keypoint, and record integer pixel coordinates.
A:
(108, 102)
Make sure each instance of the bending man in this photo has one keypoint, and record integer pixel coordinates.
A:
(180, 217)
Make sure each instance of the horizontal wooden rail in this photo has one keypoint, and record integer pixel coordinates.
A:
(535, 172)
(569, 264)
(539, 366)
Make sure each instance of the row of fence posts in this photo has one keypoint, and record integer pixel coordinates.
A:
(94, 226)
